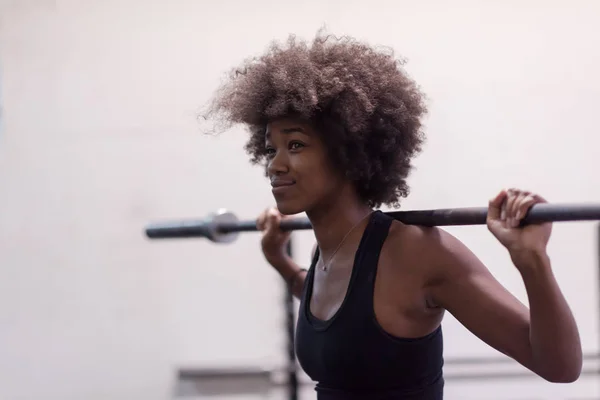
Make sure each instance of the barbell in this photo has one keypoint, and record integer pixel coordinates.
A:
(223, 226)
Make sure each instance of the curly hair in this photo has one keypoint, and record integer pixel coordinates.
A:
(364, 106)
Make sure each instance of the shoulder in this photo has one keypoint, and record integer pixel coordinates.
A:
(436, 253)
(449, 272)
(404, 240)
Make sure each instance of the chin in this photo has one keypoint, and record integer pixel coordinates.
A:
(290, 207)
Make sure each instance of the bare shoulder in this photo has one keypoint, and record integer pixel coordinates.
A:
(414, 241)
(438, 255)
(415, 234)
(402, 234)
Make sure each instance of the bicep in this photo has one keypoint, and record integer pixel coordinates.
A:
(478, 301)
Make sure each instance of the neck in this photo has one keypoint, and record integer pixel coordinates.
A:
(333, 221)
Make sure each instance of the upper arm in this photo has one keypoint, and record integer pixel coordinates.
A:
(468, 290)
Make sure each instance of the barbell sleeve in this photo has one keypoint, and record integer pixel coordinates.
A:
(223, 226)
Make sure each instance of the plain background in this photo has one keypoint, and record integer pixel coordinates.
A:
(99, 137)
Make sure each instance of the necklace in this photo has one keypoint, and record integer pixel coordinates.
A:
(325, 266)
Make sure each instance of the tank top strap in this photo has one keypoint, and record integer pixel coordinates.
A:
(368, 257)
(361, 286)
(310, 275)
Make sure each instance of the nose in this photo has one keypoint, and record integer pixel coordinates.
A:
(278, 164)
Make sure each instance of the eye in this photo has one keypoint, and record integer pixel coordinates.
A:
(296, 146)
(269, 151)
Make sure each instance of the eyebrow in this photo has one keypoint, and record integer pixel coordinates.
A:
(293, 130)
(288, 131)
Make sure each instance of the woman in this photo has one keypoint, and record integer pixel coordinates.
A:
(337, 123)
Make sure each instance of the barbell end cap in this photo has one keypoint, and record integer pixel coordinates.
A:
(222, 216)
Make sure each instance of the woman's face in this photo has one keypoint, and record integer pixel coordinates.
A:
(299, 168)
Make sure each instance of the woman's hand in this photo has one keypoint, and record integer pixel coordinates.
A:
(505, 212)
(274, 240)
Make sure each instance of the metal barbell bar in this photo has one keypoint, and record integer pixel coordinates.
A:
(224, 227)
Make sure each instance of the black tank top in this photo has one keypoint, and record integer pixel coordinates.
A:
(350, 356)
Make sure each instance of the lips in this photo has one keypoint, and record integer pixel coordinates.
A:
(282, 182)
(281, 185)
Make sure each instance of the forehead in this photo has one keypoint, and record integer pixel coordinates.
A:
(288, 126)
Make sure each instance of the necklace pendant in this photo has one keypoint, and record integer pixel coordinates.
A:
(325, 266)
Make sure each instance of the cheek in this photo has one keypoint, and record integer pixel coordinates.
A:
(318, 179)
(313, 171)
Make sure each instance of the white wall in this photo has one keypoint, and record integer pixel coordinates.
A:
(99, 138)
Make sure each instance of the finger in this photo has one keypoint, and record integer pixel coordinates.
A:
(261, 220)
(495, 206)
(538, 198)
(531, 200)
(523, 207)
(520, 197)
(273, 219)
(515, 208)
(285, 216)
(509, 207)
(515, 211)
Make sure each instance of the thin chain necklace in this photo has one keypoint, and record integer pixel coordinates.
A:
(325, 266)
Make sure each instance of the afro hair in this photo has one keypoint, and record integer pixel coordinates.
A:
(365, 107)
